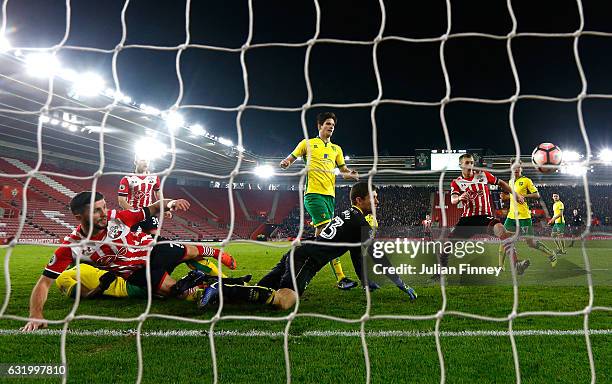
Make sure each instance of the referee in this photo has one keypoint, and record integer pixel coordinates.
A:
(576, 226)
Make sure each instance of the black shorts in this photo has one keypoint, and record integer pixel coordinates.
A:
(306, 267)
(164, 258)
(576, 230)
(469, 226)
(148, 225)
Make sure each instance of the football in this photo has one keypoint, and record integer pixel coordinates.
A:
(545, 155)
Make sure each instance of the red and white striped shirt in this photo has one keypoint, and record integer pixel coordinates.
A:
(477, 187)
(111, 249)
(139, 190)
(426, 224)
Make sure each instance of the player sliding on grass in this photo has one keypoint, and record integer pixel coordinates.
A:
(142, 189)
(277, 289)
(113, 247)
(524, 188)
(319, 197)
(97, 282)
(471, 188)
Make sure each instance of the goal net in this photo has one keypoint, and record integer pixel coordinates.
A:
(80, 102)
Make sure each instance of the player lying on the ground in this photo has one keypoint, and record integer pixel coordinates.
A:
(523, 187)
(113, 247)
(322, 157)
(472, 189)
(98, 282)
(277, 289)
(140, 190)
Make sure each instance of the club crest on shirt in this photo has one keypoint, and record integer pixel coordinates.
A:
(115, 231)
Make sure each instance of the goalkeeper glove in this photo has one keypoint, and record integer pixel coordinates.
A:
(409, 290)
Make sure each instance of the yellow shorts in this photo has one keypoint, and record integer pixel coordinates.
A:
(90, 279)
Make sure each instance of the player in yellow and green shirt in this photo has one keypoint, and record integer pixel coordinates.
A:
(519, 209)
(558, 223)
(323, 157)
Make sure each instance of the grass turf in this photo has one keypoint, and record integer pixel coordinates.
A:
(327, 359)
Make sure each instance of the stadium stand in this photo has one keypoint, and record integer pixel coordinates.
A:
(48, 217)
(49, 196)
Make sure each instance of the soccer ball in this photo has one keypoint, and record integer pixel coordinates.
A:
(546, 154)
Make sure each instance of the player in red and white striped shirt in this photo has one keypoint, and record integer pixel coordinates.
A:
(471, 188)
(140, 190)
(427, 227)
(115, 248)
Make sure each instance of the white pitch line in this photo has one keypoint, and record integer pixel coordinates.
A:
(255, 333)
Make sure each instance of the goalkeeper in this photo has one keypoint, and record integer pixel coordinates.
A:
(277, 288)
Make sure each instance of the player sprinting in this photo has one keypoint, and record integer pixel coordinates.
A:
(524, 189)
(113, 247)
(471, 188)
(276, 288)
(141, 190)
(558, 223)
(319, 196)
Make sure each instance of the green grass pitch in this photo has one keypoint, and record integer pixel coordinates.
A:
(326, 351)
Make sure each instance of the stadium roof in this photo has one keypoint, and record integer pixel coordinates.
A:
(71, 133)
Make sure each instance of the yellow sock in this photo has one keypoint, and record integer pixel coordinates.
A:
(563, 245)
(206, 265)
(558, 244)
(193, 294)
(337, 268)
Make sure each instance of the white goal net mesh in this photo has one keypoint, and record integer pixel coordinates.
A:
(377, 100)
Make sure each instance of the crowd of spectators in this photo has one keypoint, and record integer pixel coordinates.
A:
(405, 206)
(399, 207)
(573, 197)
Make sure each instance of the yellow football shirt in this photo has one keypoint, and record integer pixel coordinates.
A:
(522, 186)
(557, 209)
(324, 158)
